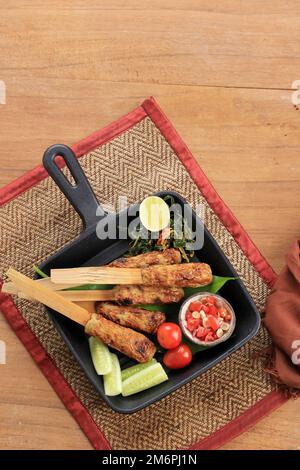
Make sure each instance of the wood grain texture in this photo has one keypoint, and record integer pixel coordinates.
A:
(223, 73)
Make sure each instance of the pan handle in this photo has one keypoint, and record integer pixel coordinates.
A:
(80, 195)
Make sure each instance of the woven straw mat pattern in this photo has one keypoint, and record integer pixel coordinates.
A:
(35, 224)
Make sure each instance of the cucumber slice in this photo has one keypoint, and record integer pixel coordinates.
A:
(146, 378)
(112, 380)
(136, 368)
(101, 356)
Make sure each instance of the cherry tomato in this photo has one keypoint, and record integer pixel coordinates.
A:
(169, 335)
(209, 337)
(213, 322)
(195, 306)
(213, 310)
(189, 314)
(178, 358)
(202, 332)
(222, 312)
(211, 299)
(205, 308)
(192, 324)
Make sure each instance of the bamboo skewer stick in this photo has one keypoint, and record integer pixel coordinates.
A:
(130, 342)
(97, 275)
(87, 305)
(48, 297)
(179, 275)
(10, 287)
(47, 282)
(88, 295)
(76, 296)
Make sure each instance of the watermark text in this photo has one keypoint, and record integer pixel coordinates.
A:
(296, 94)
(296, 354)
(183, 229)
(2, 352)
(2, 92)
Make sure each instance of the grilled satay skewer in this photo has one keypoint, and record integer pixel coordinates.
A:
(130, 342)
(129, 295)
(122, 295)
(134, 295)
(169, 256)
(182, 275)
(176, 275)
(132, 317)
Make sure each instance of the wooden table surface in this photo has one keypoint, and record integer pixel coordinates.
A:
(223, 72)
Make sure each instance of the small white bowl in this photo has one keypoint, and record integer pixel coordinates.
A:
(182, 315)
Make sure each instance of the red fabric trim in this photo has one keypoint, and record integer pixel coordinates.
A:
(109, 132)
(208, 191)
(29, 179)
(52, 373)
(21, 184)
(15, 319)
(242, 423)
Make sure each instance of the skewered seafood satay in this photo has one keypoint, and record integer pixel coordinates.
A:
(182, 275)
(129, 342)
(169, 256)
(132, 317)
(176, 275)
(123, 295)
(134, 295)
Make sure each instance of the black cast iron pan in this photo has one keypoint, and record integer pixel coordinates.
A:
(89, 250)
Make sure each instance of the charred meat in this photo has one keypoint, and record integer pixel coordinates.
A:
(169, 256)
(127, 341)
(132, 317)
(179, 275)
(139, 294)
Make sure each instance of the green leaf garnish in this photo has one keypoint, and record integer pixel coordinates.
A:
(91, 287)
(155, 308)
(39, 271)
(217, 284)
(180, 234)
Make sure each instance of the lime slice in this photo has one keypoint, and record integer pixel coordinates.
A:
(101, 356)
(112, 380)
(146, 378)
(154, 213)
(136, 368)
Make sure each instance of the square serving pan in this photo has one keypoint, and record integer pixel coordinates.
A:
(88, 250)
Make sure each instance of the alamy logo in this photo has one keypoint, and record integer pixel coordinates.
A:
(296, 94)
(2, 352)
(296, 354)
(2, 92)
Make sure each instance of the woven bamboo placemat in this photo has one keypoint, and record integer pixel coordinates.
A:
(138, 155)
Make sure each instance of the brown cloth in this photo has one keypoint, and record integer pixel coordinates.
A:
(283, 321)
